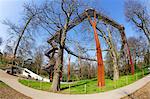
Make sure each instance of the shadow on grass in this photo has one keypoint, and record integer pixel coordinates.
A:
(72, 86)
(76, 85)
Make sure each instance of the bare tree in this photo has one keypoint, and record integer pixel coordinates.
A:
(38, 60)
(137, 14)
(52, 20)
(82, 52)
(138, 48)
(21, 33)
(112, 47)
(60, 20)
(109, 66)
(17, 30)
(147, 58)
(68, 9)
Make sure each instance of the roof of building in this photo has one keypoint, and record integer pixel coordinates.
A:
(1, 53)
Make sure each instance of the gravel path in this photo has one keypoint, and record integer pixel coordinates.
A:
(12, 81)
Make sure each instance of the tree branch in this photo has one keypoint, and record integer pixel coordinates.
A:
(69, 52)
(81, 57)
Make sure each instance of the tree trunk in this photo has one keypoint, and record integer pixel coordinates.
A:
(59, 62)
(37, 71)
(20, 37)
(115, 68)
(148, 37)
(80, 70)
(146, 32)
(68, 68)
(114, 56)
(57, 70)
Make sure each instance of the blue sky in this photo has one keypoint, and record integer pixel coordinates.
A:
(12, 9)
(9, 9)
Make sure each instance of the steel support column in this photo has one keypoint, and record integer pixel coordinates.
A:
(130, 59)
(68, 68)
(101, 74)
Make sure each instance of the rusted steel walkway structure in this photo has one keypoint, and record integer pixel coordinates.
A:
(87, 14)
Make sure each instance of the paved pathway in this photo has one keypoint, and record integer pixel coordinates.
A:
(37, 94)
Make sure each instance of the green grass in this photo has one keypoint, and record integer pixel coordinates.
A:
(87, 86)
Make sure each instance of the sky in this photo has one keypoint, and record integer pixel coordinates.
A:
(13, 9)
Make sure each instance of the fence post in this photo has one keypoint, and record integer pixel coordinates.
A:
(136, 76)
(85, 89)
(114, 83)
(28, 82)
(127, 79)
(143, 72)
(40, 84)
(69, 89)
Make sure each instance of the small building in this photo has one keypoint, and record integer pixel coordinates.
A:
(24, 72)
(1, 55)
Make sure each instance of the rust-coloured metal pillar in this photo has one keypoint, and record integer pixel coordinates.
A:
(130, 59)
(68, 68)
(101, 74)
(124, 40)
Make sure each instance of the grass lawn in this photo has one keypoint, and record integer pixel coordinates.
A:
(87, 86)
(8, 93)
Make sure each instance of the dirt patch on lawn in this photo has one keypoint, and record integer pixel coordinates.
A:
(8, 93)
(142, 93)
